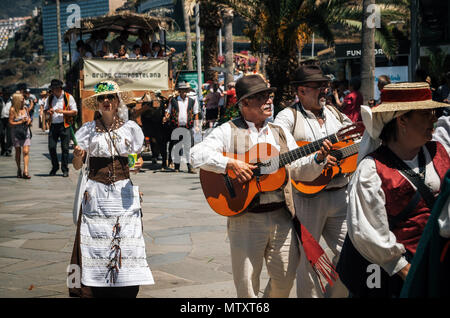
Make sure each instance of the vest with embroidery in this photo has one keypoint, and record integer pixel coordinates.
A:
(299, 134)
(175, 110)
(68, 120)
(241, 143)
(299, 121)
(398, 192)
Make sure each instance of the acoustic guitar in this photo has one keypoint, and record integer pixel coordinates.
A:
(228, 197)
(346, 153)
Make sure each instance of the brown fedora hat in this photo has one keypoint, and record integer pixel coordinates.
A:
(249, 85)
(308, 73)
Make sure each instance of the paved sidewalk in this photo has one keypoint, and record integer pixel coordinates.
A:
(187, 246)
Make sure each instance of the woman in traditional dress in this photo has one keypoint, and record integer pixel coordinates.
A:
(399, 175)
(109, 245)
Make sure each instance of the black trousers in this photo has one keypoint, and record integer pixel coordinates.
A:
(57, 131)
(5, 136)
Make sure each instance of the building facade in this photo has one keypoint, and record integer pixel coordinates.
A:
(69, 11)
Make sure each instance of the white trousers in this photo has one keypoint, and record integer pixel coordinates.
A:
(255, 237)
(323, 216)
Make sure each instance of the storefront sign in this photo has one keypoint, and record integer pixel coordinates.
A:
(395, 73)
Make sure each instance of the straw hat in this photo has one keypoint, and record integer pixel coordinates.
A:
(406, 96)
(396, 100)
(105, 88)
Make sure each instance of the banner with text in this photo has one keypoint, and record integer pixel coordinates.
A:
(149, 74)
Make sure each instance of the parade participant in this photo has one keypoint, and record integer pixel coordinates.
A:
(183, 113)
(109, 244)
(324, 214)
(152, 113)
(61, 106)
(265, 230)
(399, 175)
(20, 122)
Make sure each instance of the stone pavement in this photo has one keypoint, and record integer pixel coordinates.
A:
(186, 242)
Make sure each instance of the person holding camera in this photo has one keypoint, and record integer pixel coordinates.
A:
(20, 121)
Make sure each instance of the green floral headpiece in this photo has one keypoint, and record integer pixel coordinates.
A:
(103, 87)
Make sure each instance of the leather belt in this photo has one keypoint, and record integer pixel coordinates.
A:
(101, 169)
(263, 208)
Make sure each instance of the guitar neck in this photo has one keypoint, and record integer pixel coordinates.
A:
(345, 152)
(305, 150)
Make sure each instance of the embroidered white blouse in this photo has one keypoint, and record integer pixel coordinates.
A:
(128, 139)
(367, 221)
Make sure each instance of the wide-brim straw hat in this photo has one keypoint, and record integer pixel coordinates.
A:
(406, 96)
(106, 88)
(183, 85)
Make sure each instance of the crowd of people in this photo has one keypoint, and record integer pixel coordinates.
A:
(375, 215)
(120, 47)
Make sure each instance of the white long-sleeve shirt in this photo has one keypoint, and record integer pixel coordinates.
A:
(208, 154)
(367, 221)
(313, 131)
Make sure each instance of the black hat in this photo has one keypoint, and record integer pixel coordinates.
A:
(249, 85)
(56, 83)
(309, 73)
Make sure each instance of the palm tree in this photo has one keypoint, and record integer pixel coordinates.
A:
(367, 53)
(227, 14)
(284, 27)
(187, 8)
(210, 22)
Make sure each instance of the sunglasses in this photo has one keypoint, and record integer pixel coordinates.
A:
(317, 86)
(101, 98)
(263, 96)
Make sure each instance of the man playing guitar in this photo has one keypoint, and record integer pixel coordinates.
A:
(325, 213)
(264, 230)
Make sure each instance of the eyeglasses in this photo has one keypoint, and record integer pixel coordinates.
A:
(317, 86)
(101, 98)
(263, 96)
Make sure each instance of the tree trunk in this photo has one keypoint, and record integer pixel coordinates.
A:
(210, 22)
(228, 26)
(187, 29)
(280, 68)
(367, 53)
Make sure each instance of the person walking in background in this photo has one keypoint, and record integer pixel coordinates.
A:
(20, 122)
(62, 108)
(351, 106)
(30, 102)
(5, 129)
(41, 104)
(383, 80)
(212, 105)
